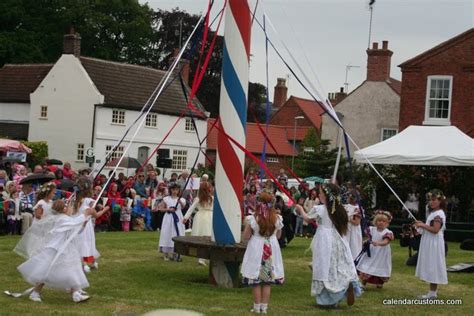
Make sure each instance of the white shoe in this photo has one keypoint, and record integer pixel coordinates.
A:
(96, 265)
(77, 297)
(82, 292)
(428, 296)
(202, 262)
(35, 297)
(87, 269)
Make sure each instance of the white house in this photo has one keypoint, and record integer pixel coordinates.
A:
(86, 102)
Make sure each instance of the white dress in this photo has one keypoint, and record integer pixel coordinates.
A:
(333, 266)
(380, 261)
(252, 261)
(354, 233)
(202, 221)
(86, 239)
(431, 266)
(46, 206)
(168, 227)
(66, 272)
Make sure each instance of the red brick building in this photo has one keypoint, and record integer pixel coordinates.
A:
(280, 136)
(438, 85)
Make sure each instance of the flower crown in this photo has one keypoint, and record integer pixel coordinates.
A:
(47, 187)
(384, 213)
(436, 194)
(332, 198)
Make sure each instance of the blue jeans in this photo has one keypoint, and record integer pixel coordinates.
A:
(299, 226)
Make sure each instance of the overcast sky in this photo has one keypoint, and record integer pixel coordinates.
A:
(334, 33)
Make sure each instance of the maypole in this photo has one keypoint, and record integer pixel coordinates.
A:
(228, 201)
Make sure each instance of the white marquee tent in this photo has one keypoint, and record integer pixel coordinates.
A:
(422, 145)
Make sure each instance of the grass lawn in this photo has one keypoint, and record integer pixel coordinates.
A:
(133, 279)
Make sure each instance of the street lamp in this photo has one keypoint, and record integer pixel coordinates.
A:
(294, 141)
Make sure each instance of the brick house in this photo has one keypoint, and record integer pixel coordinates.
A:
(437, 85)
(370, 112)
(280, 136)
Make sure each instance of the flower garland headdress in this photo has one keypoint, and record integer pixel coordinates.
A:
(331, 197)
(437, 194)
(385, 213)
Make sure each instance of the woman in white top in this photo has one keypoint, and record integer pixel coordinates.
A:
(377, 268)
(262, 265)
(334, 273)
(431, 266)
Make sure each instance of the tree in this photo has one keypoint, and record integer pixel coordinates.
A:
(257, 102)
(315, 158)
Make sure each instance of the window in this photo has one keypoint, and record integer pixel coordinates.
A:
(189, 127)
(438, 100)
(117, 154)
(388, 132)
(151, 119)
(272, 159)
(44, 112)
(179, 159)
(80, 152)
(118, 117)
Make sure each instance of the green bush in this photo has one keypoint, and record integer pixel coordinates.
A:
(39, 153)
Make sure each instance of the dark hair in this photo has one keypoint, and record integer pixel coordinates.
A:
(337, 212)
(83, 189)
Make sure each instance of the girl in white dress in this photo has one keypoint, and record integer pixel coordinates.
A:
(172, 225)
(262, 264)
(202, 221)
(377, 268)
(354, 233)
(63, 271)
(334, 274)
(86, 239)
(431, 266)
(45, 200)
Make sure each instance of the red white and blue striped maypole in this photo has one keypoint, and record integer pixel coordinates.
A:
(228, 201)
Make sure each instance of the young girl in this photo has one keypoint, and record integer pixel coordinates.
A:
(172, 225)
(66, 271)
(431, 266)
(126, 215)
(334, 274)
(377, 268)
(354, 233)
(45, 200)
(86, 240)
(202, 221)
(262, 264)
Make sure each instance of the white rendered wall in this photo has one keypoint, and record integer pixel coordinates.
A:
(70, 95)
(107, 133)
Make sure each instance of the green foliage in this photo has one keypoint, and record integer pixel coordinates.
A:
(38, 154)
(209, 170)
(315, 158)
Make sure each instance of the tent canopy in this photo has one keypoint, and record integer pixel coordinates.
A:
(422, 145)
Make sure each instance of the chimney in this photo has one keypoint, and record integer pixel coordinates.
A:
(183, 64)
(336, 97)
(280, 93)
(378, 62)
(72, 43)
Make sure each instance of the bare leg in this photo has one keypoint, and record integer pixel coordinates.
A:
(266, 289)
(257, 294)
(38, 287)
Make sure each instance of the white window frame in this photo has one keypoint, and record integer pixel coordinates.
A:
(151, 120)
(43, 109)
(188, 126)
(180, 157)
(437, 121)
(118, 117)
(387, 129)
(80, 152)
(117, 154)
(272, 159)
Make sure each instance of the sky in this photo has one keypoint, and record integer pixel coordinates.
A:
(325, 36)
